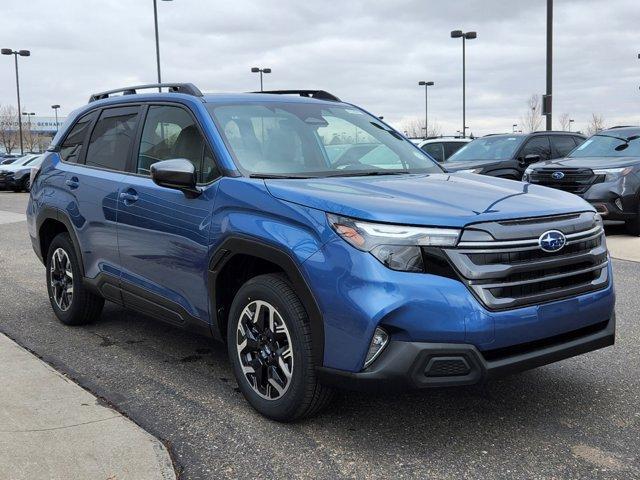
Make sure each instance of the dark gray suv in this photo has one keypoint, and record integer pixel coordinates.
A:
(604, 170)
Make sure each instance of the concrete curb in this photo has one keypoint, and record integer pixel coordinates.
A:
(51, 428)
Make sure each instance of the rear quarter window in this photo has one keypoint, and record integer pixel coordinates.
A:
(72, 146)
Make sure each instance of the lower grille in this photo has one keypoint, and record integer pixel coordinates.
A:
(509, 274)
(574, 180)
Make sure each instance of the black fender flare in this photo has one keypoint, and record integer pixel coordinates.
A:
(52, 213)
(240, 245)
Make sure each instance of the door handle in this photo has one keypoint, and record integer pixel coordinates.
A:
(72, 182)
(129, 197)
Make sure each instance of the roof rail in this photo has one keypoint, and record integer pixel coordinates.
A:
(621, 126)
(317, 94)
(187, 88)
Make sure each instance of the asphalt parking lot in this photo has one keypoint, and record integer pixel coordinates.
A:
(579, 418)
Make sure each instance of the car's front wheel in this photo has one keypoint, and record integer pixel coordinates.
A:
(72, 303)
(270, 348)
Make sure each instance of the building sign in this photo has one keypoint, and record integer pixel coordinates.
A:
(38, 124)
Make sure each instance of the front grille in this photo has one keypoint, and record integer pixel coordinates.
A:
(506, 274)
(575, 180)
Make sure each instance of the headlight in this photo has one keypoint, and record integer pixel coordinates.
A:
(471, 170)
(396, 246)
(611, 174)
(527, 173)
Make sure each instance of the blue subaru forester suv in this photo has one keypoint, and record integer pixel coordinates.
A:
(321, 245)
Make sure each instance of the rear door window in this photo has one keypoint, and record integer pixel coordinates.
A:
(452, 147)
(112, 137)
(562, 144)
(436, 150)
(537, 146)
(71, 148)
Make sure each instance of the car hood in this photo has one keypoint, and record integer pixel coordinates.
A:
(469, 164)
(453, 200)
(589, 162)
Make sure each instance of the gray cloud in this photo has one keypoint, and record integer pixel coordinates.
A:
(369, 52)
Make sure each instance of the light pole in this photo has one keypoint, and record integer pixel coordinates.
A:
(15, 53)
(513, 127)
(155, 23)
(55, 109)
(426, 105)
(260, 71)
(465, 36)
(570, 122)
(548, 100)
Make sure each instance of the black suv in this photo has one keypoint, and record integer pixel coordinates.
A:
(508, 155)
(604, 170)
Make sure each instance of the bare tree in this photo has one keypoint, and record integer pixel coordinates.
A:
(564, 121)
(414, 128)
(596, 124)
(532, 119)
(31, 138)
(8, 135)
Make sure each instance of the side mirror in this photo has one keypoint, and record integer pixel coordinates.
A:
(531, 158)
(177, 173)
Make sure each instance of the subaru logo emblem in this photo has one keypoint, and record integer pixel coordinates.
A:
(557, 175)
(552, 241)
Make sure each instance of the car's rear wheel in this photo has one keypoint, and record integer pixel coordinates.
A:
(72, 303)
(270, 348)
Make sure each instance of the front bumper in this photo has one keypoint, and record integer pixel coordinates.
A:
(604, 196)
(414, 365)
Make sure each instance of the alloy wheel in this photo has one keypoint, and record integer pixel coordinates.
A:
(264, 349)
(61, 278)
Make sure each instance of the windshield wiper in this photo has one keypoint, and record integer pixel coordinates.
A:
(368, 173)
(276, 175)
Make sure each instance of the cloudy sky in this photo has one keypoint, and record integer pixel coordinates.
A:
(369, 52)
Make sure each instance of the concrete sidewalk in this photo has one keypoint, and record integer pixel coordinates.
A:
(624, 247)
(50, 428)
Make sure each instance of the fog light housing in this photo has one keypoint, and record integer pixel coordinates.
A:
(378, 342)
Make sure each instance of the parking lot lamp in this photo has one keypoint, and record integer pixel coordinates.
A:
(570, 122)
(513, 127)
(426, 105)
(260, 71)
(55, 109)
(15, 53)
(465, 36)
(29, 115)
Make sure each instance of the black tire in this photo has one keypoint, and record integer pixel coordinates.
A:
(304, 396)
(82, 306)
(633, 225)
(27, 185)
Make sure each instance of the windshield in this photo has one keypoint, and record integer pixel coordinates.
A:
(488, 148)
(314, 140)
(611, 144)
